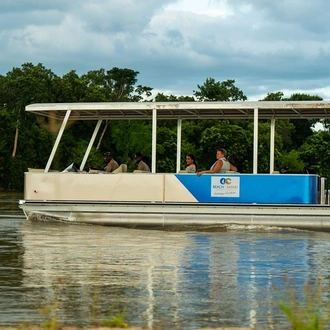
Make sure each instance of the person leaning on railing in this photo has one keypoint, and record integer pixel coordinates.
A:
(221, 165)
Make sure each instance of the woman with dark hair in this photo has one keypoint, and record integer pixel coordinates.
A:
(191, 162)
(233, 166)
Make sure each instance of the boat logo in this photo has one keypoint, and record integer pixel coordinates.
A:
(225, 181)
(225, 186)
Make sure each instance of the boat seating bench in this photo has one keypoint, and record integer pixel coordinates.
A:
(121, 169)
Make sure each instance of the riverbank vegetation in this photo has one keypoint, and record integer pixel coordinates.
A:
(26, 140)
(306, 308)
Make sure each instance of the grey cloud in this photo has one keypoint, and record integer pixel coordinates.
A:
(125, 16)
(16, 6)
(310, 16)
(258, 45)
(175, 38)
(15, 20)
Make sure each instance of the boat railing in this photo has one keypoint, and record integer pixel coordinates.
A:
(31, 169)
(324, 192)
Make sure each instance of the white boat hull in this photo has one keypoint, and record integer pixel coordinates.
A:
(167, 199)
(159, 215)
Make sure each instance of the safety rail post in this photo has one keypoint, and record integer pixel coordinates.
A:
(323, 191)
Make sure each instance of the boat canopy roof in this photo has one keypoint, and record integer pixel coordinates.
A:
(184, 110)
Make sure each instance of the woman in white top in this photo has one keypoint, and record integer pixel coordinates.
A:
(191, 162)
(221, 165)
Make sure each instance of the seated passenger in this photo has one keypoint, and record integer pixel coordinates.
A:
(221, 165)
(142, 166)
(191, 162)
(231, 160)
(111, 164)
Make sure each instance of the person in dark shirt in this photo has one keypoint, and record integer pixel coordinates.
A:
(142, 166)
(111, 164)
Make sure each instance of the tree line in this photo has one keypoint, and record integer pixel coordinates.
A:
(26, 140)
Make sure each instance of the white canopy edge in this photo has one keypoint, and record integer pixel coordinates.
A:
(184, 110)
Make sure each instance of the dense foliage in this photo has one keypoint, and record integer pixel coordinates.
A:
(26, 140)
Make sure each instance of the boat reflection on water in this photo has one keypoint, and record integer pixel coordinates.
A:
(167, 279)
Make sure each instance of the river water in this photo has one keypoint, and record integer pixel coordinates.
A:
(157, 279)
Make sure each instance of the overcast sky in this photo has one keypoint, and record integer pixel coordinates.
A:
(265, 46)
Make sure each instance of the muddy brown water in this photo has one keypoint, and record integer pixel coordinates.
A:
(157, 279)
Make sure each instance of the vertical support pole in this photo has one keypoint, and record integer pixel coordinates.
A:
(323, 191)
(91, 142)
(272, 145)
(154, 140)
(58, 139)
(178, 145)
(255, 141)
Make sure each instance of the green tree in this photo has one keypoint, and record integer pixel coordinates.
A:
(104, 86)
(6, 141)
(120, 84)
(160, 97)
(115, 85)
(74, 88)
(277, 96)
(219, 91)
(292, 161)
(22, 86)
(141, 93)
(166, 144)
(302, 127)
(315, 153)
(282, 134)
(237, 142)
(130, 137)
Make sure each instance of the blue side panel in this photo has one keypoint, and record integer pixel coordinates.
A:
(252, 188)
